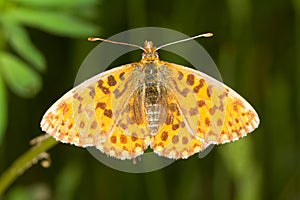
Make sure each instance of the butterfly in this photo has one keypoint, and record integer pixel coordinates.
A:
(172, 109)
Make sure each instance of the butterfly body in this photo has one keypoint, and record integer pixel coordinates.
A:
(174, 110)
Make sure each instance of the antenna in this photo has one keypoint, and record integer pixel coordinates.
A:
(134, 45)
(187, 39)
(114, 42)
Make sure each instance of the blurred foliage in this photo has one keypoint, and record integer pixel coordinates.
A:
(256, 47)
(20, 71)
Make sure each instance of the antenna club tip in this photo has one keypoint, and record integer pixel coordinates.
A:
(209, 34)
(91, 39)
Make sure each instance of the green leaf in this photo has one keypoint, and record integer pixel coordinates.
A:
(3, 109)
(21, 79)
(20, 42)
(54, 22)
(57, 3)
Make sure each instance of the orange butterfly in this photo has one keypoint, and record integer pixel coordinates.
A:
(175, 110)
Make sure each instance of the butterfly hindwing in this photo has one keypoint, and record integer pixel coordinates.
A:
(173, 140)
(129, 136)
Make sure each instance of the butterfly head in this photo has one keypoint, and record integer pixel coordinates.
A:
(150, 53)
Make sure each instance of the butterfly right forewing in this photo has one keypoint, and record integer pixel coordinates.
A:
(213, 111)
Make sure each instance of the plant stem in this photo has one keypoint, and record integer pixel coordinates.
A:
(24, 162)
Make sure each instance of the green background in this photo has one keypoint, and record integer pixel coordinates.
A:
(256, 48)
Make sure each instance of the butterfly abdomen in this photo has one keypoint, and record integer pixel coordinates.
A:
(154, 104)
(152, 94)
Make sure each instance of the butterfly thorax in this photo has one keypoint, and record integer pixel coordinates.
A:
(149, 98)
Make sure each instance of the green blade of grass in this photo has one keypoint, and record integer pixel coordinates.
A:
(3, 109)
(23, 162)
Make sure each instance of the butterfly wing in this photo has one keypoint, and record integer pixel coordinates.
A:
(217, 114)
(209, 111)
(173, 140)
(130, 136)
(99, 113)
